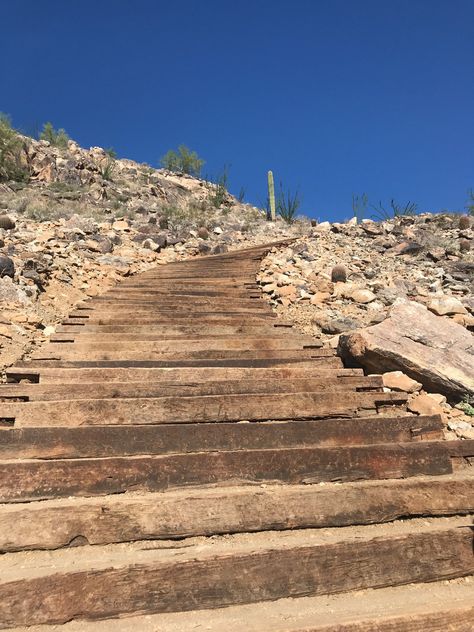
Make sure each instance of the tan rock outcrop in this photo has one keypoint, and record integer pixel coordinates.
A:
(398, 381)
(432, 350)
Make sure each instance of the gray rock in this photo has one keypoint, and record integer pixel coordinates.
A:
(106, 246)
(388, 296)
(204, 248)
(339, 325)
(7, 267)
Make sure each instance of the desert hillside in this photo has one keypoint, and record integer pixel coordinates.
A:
(78, 221)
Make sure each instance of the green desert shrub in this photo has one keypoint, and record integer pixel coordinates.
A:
(217, 188)
(57, 137)
(10, 152)
(182, 161)
(287, 205)
(383, 214)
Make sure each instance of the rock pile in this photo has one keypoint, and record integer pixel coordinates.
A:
(395, 296)
(345, 276)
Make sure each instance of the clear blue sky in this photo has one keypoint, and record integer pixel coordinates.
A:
(336, 96)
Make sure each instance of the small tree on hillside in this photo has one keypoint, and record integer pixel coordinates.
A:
(183, 161)
(10, 148)
(58, 138)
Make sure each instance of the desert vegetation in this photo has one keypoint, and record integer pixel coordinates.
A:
(11, 166)
(183, 160)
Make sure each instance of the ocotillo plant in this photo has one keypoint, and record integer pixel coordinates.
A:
(271, 196)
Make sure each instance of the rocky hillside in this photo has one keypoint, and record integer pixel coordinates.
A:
(395, 297)
(345, 276)
(83, 220)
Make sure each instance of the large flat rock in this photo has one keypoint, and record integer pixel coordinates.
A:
(432, 350)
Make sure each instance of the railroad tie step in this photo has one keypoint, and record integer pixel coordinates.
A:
(433, 607)
(162, 388)
(192, 409)
(60, 442)
(34, 479)
(59, 523)
(146, 577)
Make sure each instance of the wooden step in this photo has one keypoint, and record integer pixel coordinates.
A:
(175, 375)
(176, 331)
(197, 409)
(434, 607)
(107, 441)
(138, 390)
(136, 350)
(184, 308)
(144, 342)
(221, 363)
(144, 577)
(52, 524)
(193, 335)
(147, 302)
(151, 292)
(177, 317)
(197, 319)
(23, 480)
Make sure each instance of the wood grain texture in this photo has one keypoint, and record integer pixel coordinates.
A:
(22, 480)
(110, 390)
(56, 523)
(106, 441)
(196, 409)
(242, 577)
(176, 375)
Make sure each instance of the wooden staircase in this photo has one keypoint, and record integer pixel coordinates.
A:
(178, 458)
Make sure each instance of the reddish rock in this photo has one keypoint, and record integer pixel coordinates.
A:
(425, 404)
(432, 350)
(398, 381)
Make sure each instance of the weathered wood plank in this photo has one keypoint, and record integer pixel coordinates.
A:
(55, 523)
(107, 441)
(176, 331)
(29, 480)
(220, 363)
(177, 375)
(435, 607)
(190, 293)
(196, 319)
(212, 408)
(147, 302)
(137, 390)
(169, 345)
(139, 350)
(160, 581)
(136, 350)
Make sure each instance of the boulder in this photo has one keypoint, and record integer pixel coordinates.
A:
(322, 227)
(7, 267)
(362, 296)
(425, 404)
(398, 381)
(434, 351)
(447, 305)
(336, 325)
(406, 248)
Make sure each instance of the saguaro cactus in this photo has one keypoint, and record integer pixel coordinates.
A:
(271, 195)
